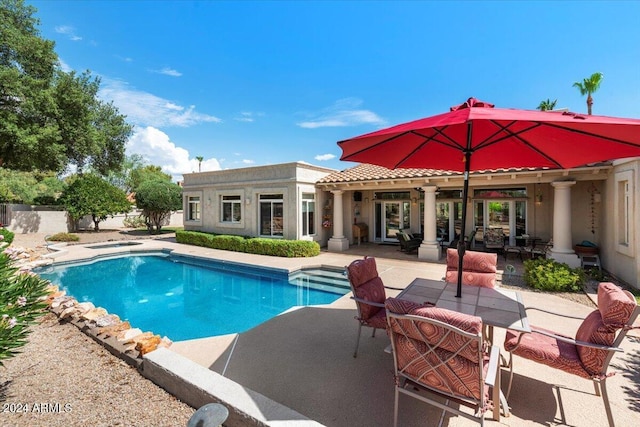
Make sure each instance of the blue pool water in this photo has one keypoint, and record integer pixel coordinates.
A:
(186, 298)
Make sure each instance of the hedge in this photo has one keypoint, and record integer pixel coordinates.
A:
(251, 245)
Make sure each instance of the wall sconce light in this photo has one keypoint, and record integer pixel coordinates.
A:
(414, 200)
(538, 196)
(209, 201)
(366, 200)
(247, 201)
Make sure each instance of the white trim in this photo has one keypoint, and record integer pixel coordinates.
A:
(187, 195)
(624, 226)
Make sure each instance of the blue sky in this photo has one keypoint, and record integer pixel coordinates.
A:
(249, 83)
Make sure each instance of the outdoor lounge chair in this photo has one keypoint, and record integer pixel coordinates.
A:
(408, 244)
(589, 354)
(494, 239)
(440, 353)
(369, 295)
(478, 268)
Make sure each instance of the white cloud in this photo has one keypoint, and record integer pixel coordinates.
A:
(64, 66)
(145, 109)
(248, 116)
(157, 149)
(68, 31)
(248, 162)
(324, 157)
(344, 112)
(168, 72)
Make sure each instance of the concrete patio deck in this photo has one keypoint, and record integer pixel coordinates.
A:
(303, 358)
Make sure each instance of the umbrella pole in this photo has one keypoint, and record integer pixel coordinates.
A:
(461, 242)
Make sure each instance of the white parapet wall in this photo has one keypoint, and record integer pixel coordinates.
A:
(25, 219)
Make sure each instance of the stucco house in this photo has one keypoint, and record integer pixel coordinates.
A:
(598, 204)
(278, 201)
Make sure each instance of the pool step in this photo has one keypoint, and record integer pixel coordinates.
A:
(321, 279)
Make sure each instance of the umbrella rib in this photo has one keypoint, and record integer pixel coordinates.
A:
(582, 132)
(384, 141)
(427, 140)
(516, 135)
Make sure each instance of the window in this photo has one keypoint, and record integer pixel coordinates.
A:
(271, 215)
(308, 214)
(624, 193)
(231, 209)
(193, 208)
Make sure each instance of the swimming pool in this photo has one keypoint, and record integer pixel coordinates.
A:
(186, 298)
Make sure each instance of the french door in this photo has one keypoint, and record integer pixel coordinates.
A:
(391, 217)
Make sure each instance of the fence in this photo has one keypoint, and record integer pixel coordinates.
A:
(27, 219)
(5, 217)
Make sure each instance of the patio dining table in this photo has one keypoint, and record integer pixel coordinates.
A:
(497, 307)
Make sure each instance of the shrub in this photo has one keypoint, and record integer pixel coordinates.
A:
(259, 246)
(134, 221)
(550, 275)
(63, 237)
(157, 198)
(21, 304)
(6, 236)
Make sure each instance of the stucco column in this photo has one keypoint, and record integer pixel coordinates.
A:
(338, 242)
(562, 250)
(429, 249)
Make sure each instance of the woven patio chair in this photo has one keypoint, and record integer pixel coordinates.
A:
(588, 355)
(369, 294)
(440, 353)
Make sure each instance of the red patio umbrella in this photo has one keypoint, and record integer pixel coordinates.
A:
(476, 136)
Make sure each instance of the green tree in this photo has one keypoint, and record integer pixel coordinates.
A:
(146, 173)
(89, 194)
(29, 136)
(92, 131)
(157, 198)
(50, 119)
(588, 86)
(199, 159)
(547, 105)
(121, 178)
(29, 187)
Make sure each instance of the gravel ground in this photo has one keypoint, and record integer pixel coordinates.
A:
(64, 378)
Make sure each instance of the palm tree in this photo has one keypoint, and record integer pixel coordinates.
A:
(588, 86)
(199, 159)
(547, 105)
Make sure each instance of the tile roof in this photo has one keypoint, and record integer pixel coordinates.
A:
(367, 172)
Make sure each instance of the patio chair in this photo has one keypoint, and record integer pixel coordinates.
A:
(478, 268)
(439, 353)
(408, 244)
(494, 239)
(596, 341)
(539, 250)
(369, 294)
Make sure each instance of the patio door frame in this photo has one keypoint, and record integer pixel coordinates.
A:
(485, 216)
(381, 220)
